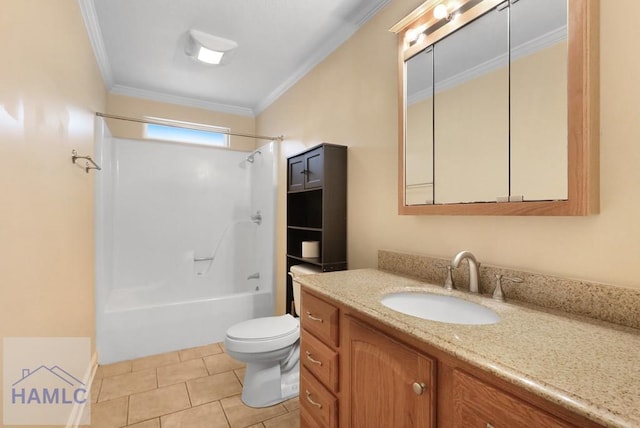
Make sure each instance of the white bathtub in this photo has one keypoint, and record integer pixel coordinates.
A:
(138, 329)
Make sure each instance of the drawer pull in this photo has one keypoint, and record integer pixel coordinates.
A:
(489, 425)
(312, 318)
(318, 405)
(419, 387)
(314, 361)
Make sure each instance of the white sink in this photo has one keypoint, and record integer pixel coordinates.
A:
(436, 307)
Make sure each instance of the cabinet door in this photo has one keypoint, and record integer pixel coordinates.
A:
(296, 173)
(390, 385)
(480, 405)
(314, 168)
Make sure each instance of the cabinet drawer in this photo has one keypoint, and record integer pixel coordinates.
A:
(478, 404)
(316, 401)
(320, 318)
(320, 360)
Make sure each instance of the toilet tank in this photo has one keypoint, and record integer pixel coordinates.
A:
(297, 271)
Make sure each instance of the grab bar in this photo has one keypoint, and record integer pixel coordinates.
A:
(202, 259)
(75, 157)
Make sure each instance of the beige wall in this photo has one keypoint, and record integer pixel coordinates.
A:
(351, 99)
(50, 88)
(137, 108)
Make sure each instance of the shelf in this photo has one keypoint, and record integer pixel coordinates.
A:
(308, 229)
(310, 260)
(310, 191)
(326, 267)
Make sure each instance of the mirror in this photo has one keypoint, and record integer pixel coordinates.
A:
(419, 138)
(486, 126)
(538, 120)
(471, 111)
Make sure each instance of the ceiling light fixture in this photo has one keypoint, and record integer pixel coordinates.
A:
(208, 48)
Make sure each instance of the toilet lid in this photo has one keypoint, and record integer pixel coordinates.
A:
(266, 328)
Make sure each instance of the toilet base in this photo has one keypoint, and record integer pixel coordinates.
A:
(265, 385)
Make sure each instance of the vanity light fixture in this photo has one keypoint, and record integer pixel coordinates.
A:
(207, 48)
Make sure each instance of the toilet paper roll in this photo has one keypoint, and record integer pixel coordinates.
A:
(310, 249)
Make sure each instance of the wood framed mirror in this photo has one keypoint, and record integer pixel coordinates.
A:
(499, 108)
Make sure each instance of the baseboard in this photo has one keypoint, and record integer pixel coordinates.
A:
(75, 418)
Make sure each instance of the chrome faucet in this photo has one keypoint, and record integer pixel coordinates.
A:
(473, 268)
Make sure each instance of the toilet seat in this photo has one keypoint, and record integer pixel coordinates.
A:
(263, 334)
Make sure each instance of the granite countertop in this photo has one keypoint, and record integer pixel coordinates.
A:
(589, 367)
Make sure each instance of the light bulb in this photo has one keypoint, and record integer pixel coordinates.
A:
(416, 35)
(411, 36)
(209, 56)
(440, 12)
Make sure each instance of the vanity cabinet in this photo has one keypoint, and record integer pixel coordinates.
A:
(358, 372)
(317, 209)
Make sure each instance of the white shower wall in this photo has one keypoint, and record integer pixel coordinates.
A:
(174, 202)
(161, 205)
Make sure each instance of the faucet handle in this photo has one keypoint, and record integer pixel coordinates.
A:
(498, 294)
(448, 282)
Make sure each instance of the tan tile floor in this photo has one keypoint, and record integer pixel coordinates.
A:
(192, 388)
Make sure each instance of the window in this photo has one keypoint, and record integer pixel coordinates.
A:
(213, 137)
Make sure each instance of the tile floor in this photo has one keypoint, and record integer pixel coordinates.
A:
(192, 388)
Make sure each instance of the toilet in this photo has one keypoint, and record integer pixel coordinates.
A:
(270, 347)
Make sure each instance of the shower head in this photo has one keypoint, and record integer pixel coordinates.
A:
(250, 158)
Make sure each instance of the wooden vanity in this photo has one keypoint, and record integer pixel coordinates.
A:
(359, 370)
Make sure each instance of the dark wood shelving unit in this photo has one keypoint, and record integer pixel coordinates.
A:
(317, 209)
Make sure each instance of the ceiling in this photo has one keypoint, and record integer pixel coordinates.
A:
(140, 46)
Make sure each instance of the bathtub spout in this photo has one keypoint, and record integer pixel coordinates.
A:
(254, 276)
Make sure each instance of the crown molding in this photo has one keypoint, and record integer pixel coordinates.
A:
(179, 100)
(90, 18)
(340, 36)
(366, 14)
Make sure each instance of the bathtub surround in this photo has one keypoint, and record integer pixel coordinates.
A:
(180, 256)
(603, 302)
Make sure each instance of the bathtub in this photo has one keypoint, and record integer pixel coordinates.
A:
(132, 327)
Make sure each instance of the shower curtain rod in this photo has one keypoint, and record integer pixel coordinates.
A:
(179, 125)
